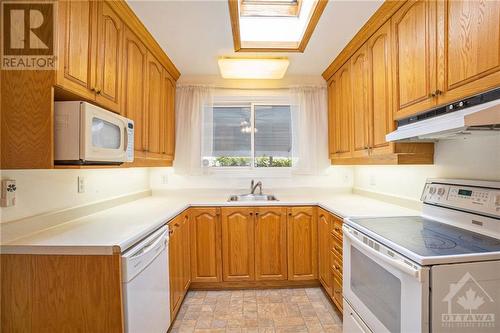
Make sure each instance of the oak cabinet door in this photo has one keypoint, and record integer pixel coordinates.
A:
(469, 46)
(206, 257)
(380, 90)
(333, 135)
(238, 240)
(154, 107)
(77, 21)
(302, 230)
(175, 267)
(360, 108)
(414, 56)
(109, 57)
(324, 238)
(134, 88)
(344, 111)
(270, 243)
(167, 135)
(186, 256)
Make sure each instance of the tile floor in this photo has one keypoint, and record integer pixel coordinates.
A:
(271, 310)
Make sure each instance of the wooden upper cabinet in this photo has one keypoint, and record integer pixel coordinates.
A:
(76, 47)
(134, 88)
(360, 109)
(154, 106)
(167, 135)
(206, 255)
(380, 90)
(324, 246)
(332, 118)
(414, 57)
(302, 230)
(469, 48)
(270, 243)
(342, 112)
(109, 57)
(238, 240)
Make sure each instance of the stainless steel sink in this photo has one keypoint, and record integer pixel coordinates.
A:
(253, 197)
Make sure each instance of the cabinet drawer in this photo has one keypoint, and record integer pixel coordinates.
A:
(336, 264)
(337, 246)
(337, 291)
(337, 227)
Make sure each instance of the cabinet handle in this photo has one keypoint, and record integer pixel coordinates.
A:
(98, 91)
(257, 214)
(92, 89)
(289, 214)
(337, 229)
(251, 213)
(337, 248)
(438, 92)
(176, 224)
(433, 94)
(170, 232)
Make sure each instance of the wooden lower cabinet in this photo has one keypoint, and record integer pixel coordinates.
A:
(324, 246)
(302, 243)
(179, 261)
(270, 243)
(238, 244)
(330, 255)
(61, 293)
(206, 252)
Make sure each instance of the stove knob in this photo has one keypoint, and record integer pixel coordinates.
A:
(460, 104)
(432, 190)
(497, 200)
(440, 191)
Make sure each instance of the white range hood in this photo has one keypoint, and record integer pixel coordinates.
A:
(478, 119)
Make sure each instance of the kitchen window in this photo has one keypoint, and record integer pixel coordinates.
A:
(248, 135)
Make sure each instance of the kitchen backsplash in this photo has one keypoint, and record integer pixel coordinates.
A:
(43, 191)
(473, 157)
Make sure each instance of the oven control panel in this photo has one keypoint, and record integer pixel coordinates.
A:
(476, 199)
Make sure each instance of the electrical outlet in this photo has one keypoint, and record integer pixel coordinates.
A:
(164, 179)
(81, 184)
(373, 181)
(8, 193)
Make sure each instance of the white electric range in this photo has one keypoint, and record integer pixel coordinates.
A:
(438, 272)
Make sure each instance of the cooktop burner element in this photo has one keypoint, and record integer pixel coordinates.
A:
(428, 238)
(438, 243)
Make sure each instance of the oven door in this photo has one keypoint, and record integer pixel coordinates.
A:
(103, 135)
(387, 291)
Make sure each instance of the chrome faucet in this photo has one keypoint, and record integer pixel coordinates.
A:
(254, 186)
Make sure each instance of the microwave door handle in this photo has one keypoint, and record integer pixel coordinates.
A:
(125, 138)
(394, 263)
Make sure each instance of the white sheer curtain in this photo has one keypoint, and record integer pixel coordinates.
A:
(310, 130)
(192, 102)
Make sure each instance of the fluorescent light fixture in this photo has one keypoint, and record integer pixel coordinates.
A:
(253, 68)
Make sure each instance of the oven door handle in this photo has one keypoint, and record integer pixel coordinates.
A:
(394, 263)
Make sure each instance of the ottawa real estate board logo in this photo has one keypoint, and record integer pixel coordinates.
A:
(469, 306)
(28, 35)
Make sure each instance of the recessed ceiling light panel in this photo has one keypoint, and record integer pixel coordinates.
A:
(253, 68)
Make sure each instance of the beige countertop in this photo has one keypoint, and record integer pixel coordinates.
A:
(116, 229)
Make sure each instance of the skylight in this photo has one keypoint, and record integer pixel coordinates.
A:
(274, 25)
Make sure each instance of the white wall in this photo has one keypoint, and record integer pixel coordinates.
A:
(335, 177)
(43, 191)
(473, 157)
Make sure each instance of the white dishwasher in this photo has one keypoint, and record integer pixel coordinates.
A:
(146, 288)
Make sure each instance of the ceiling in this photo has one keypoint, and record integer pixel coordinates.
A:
(195, 33)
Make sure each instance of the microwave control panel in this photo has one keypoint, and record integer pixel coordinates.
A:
(130, 141)
(475, 199)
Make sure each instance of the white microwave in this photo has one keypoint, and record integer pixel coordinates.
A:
(86, 134)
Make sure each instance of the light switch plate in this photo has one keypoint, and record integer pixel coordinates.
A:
(8, 193)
